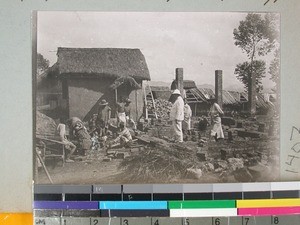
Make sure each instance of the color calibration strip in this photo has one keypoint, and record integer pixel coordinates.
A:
(167, 200)
(212, 208)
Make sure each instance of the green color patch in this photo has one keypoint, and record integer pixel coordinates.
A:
(209, 204)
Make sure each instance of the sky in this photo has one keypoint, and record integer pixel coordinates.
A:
(198, 42)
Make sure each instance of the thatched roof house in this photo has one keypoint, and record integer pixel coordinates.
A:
(101, 62)
(89, 75)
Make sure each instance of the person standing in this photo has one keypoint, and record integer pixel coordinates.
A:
(186, 124)
(215, 114)
(177, 114)
(129, 121)
(121, 116)
(103, 118)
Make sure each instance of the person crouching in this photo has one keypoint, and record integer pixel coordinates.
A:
(83, 137)
(124, 138)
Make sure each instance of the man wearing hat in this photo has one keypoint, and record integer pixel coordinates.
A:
(103, 118)
(177, 114)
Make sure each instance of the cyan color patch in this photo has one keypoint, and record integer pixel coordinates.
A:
(133, 205)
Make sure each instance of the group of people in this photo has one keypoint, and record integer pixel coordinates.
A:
(124, 120)
(78, 134)
(100, 127)
(181, 115)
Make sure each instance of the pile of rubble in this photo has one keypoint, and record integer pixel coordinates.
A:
(162, 106)
(159, 161)
(245, 157)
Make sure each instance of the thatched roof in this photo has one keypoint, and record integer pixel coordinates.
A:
(187, 84)
(115, 62)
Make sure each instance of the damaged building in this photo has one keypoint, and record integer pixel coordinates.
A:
(82, 77)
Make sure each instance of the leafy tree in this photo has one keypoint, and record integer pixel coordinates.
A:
(42, 63)
(274, 68)
(256, 37)
(273, 20)
(243, 72)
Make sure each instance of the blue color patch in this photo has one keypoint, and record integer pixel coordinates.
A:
(65, 205)
(133, 205)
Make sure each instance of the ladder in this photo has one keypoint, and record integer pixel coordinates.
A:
(148, 97)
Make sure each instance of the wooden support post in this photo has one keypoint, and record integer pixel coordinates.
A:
(44, 166)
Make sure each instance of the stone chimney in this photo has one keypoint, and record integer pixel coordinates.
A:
(219, 87)
(179, 80)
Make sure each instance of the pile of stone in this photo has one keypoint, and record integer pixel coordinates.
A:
(162, 107)
(159, 161)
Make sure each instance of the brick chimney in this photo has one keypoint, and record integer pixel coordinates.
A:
(179, 80)
(219, 87)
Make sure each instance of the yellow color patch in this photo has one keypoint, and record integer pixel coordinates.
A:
(262, 203)
(16, 219)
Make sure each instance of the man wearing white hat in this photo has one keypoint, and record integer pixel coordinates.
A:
(177, 114)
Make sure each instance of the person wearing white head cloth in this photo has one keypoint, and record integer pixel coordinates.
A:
(177, 114)
(186, 123)
(215, 113)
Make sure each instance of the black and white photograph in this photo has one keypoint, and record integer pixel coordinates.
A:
(156, 97)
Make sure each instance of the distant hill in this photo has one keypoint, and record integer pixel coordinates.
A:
(209, 86)
(234, 88)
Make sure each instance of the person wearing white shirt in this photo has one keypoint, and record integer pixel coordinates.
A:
(177, 114)
(186, 124)
(215, 114)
